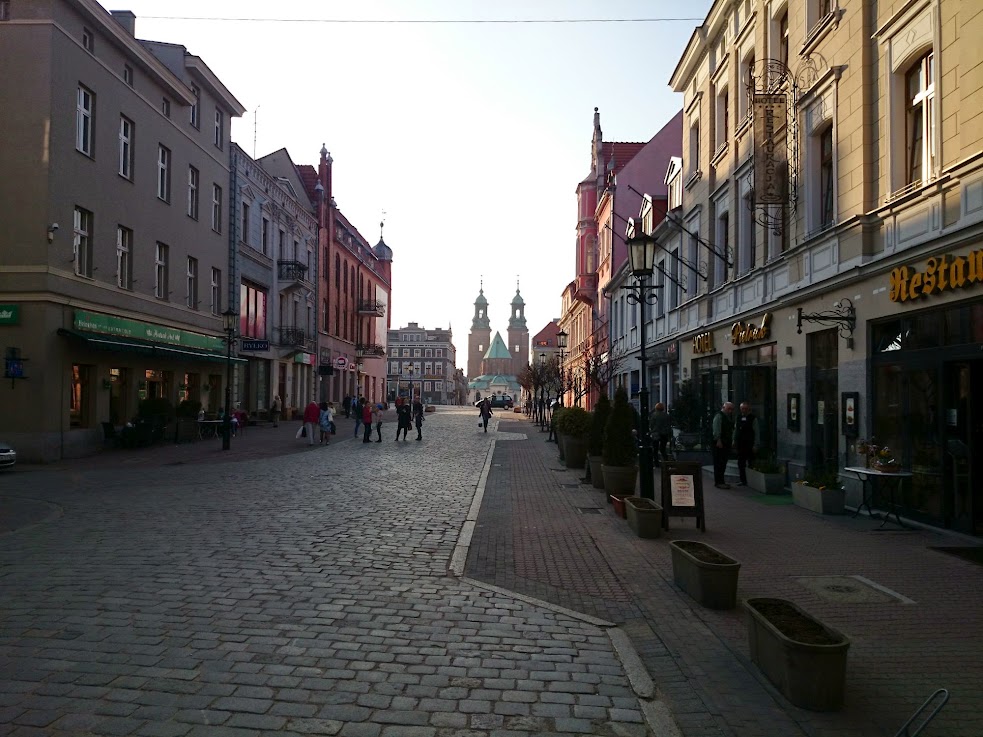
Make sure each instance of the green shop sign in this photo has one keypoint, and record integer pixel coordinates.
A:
(95, 322)
(9, 314)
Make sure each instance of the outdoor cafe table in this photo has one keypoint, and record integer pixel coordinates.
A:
(893, 481)
(208, 428)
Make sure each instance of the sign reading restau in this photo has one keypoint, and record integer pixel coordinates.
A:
(770, 112)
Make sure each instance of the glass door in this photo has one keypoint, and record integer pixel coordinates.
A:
(963, 431)
(756, 385)
(822, 404)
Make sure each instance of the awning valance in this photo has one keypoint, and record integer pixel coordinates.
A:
(146, 347)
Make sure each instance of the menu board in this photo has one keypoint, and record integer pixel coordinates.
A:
(682, 492)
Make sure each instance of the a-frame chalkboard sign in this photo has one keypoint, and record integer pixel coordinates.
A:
(682, 492)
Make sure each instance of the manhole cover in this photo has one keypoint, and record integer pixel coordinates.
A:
(589, 510)
(850, 590)
(570, 486)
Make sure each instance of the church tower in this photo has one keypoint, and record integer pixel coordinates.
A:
(518, 333)
(479, 339)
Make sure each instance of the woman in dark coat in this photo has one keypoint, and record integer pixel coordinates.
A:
(403, 418)
(418, 417)
(486, 412)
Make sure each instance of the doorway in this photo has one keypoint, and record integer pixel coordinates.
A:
(962, 431)
(756, 385)
(822, 403)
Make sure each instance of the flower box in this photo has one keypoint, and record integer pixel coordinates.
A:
(765, 483)
(644, 516)
(820, 501)
(804, 658)
(706, 574)
(618, 502)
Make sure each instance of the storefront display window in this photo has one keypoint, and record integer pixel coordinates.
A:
(80, 401)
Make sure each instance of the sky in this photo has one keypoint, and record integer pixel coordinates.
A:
(470, 137)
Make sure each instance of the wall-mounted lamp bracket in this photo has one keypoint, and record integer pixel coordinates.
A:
(843, 316)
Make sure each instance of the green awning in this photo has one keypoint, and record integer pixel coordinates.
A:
(146, 347)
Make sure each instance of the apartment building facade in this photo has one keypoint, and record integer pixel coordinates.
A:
(422, 364)
(115, 206)
(831, 194)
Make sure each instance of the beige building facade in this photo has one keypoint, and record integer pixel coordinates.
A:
(115, 246)
(832, 194)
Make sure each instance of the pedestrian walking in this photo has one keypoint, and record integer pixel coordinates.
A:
(747, 438)
(661, 429)
(418, 418)
(275, 410)
(366, 421)
(357, 408)
(346, 406)
(403, 418)
(723, 434)
(325, 421)
(377, 421)
(485, 412)
(312, 415)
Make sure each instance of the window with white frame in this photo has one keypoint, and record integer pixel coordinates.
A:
(124, 255)
(160, 272)
(88, 40)
(128, 74)
(428, 353)
(675, 284)
(192, 292)
(193, 185)
(126, 147)
(196, 106)
(84, 115)
(693, 256)
(719, 270)
(660, 289)
(428, 368)
(165, 107)
(722, 120)
(219, 128)
(216, 300)
(827, 178)
(743, 82)
(416, 353)
(245, 223)
(163, 173)
(781, 36)
(393, 367)
(82, 242)
(694, 146)
(819, 15)
(440, 353)
(438, 369)
(216, 208)
(427, 386)
(920, 119)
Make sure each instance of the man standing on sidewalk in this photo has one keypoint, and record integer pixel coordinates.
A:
(723, 433)
(746, 440)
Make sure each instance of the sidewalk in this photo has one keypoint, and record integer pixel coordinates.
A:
(914, 615)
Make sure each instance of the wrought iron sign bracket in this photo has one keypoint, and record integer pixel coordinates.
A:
(843, 316)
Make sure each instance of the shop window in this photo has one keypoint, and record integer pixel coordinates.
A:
(80, 400)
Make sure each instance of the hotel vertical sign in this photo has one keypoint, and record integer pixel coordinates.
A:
(769, 155)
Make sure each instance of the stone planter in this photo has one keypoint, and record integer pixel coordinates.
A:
(804, 658)
(560, 442)
(706, 574)
(575, 451)
(644, 516)
(766, 483)
(619, 479)
(596, 472)
(825, 501)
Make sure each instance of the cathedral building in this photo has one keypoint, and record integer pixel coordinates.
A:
(493, 365)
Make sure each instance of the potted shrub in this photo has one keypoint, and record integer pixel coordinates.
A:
(574, 427)
(804, 658)
(706, 574)
(767, 476)
(620, 449)
(599, 419)
(820, 492)
(644, 516)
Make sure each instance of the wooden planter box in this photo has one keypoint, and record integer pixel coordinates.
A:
(706, 574)
(825, 501)
(574, 451)
(644, 516)
(766, 483)
(804, 658)
(596, 472)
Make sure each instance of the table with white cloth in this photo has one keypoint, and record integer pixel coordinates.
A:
(892, 485)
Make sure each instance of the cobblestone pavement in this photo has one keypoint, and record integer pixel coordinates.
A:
(538, 533)
(288, 594)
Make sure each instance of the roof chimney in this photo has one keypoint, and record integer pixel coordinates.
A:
(127, 19)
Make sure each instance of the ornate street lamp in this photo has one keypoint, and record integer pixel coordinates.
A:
(230, 320)
(561, 343)
(641, 262)
(541, 409)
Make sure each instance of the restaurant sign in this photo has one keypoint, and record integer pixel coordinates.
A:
(95, 322)
(746, 332)
(9, 314)
(703, 343)
(770, 111)
(941, 274)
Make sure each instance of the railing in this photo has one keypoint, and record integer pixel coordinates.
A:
(371, 307)
(370, 350)
(295, 338)
(291, 271)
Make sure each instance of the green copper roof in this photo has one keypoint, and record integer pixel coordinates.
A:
(497, 348)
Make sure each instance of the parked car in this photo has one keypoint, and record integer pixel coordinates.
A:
(498, 401)
(8, 456)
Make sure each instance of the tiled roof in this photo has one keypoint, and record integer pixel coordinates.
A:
(497, 348)
(622, 153)
(308, 175)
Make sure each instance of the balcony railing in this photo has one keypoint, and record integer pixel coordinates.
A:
(370, 350)
(291, 271)
(371, 307)
(291, 337)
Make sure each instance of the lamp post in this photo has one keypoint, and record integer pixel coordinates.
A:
(641, 261)
(230, 319)
(541, 409)
(561, 343)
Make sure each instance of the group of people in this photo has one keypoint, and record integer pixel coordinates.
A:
(319, 419)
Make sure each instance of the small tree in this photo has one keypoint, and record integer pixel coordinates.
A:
(620, 448)
(602, 411)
